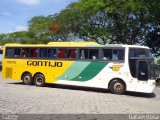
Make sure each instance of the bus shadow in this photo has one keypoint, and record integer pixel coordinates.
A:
(80, 88)
(68, 87)
(138, 94)
(90, 89)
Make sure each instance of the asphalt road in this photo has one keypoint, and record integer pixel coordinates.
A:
(16, 98)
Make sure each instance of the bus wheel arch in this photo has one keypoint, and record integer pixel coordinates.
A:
(39, 79)
(117, 86)
(27, 78)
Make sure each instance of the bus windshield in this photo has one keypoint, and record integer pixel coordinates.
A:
(134, 52)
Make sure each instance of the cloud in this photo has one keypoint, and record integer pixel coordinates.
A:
(21, 28)
(6, 13)
(29, 2)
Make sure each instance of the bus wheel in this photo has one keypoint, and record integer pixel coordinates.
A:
(27, 79)
(39, 80)
(117, 87)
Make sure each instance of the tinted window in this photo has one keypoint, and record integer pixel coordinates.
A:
(62, 53)
(132, 66)
(118, 54)
(13, 52)
(134, 52)
(10, 52)
(43, 52)
(17, 52)
(143, 70)
(89, 54)
(71, 54)
(107, 54)
(25, 52)
(113, 54)
(93, 54)
(52, 53)
(33, 52)
(29, 52)
(83, 53)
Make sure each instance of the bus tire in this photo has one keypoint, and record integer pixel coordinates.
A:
(27, 78)
(39, 80)
(117, 87)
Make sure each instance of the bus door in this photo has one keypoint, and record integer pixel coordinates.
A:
(142, 70)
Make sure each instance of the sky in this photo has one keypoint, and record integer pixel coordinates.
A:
(15, 14)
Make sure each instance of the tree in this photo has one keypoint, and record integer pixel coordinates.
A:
(98, 20)
(158, 61)
(113, 21)
(103, 21)
(39, 26)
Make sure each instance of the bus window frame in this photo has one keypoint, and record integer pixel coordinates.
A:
(5, 55)
(113, 48)
(76, 53)
(39, 53)
(66, 57)
(138, 49)
(100, 54)
(89, 48)
(55, 55)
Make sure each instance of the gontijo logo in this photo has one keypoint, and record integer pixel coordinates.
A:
(44, 63)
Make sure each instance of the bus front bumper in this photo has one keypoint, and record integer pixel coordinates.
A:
(145, 86)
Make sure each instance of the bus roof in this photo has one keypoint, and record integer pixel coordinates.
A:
(72, 44)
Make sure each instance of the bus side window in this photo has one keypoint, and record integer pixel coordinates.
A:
(43, 52)
(83, 54)
(71, 53)
(93, 54)
(35, 52)
(25, 52)
(52, 53)
(118, 54)
(30, 52)
(107, 54)
(17, 52)
(62, 53)
(10, 52)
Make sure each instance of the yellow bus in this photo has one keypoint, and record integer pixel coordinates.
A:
(116, 67)
(1, 52)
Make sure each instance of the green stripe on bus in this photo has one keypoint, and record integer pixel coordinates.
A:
(90, 71)
(73, 71)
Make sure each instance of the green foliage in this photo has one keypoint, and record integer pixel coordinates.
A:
(16, 37)
(114, 21)
(39, 24)
(158, 61)
(103, 21)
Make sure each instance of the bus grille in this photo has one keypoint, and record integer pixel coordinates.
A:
(8, 72)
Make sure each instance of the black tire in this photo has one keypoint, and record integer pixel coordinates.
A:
(39, 80)
(117, 87)
(27, 79)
